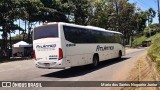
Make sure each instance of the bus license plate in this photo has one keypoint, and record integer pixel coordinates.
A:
(47, 64)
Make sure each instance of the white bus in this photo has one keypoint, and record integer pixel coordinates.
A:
(62, 45)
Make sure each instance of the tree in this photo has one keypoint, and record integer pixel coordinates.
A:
(150, 15)
(79, 11)
(9, 13)
(30, 14)
(152, 29)
(101, 14)
(114, 15)
(41, 11)
(54, 11)
(119, 15)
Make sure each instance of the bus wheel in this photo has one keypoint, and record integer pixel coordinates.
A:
(120, 55)
(95, 60)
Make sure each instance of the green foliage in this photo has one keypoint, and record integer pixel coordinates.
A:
(152, 38)
(54, 11)
(9, 13)
(116, 15)
(101, 14)
(138, 41)
(80, 10)
(150, 14)
(140, 21)
(154, 50)
(119, 15)
(154, 28)
(30, 10)
(19, 37)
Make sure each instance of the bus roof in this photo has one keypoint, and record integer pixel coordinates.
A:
(80, 26)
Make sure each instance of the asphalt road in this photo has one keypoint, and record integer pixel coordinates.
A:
(110, 70)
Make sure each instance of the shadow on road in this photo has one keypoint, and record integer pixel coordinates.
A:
(82, 70)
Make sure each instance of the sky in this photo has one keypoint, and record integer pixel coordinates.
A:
(146, 4)
(143, 4)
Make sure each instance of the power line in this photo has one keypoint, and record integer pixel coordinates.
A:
(146, 3)
(141, 1)
(155, 1)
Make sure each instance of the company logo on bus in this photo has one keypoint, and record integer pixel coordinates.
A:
(45, 47)
(104, 48)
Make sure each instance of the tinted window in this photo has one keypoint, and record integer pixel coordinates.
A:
(81, 35)
(118, 38)
(46, 32)
(77, 35)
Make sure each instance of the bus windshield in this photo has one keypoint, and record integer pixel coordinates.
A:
(48, 31)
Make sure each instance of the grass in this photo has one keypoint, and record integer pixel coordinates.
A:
(138, 41)
(152, 38)
(154, 50)
(140, 72)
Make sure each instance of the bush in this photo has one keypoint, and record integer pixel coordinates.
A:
(154, 50)
(152, 38)
(138, 41)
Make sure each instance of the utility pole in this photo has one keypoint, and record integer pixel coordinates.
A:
(158, 11)
(149, 23)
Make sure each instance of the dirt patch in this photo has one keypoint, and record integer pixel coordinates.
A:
(128, 48)
(142, 71)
